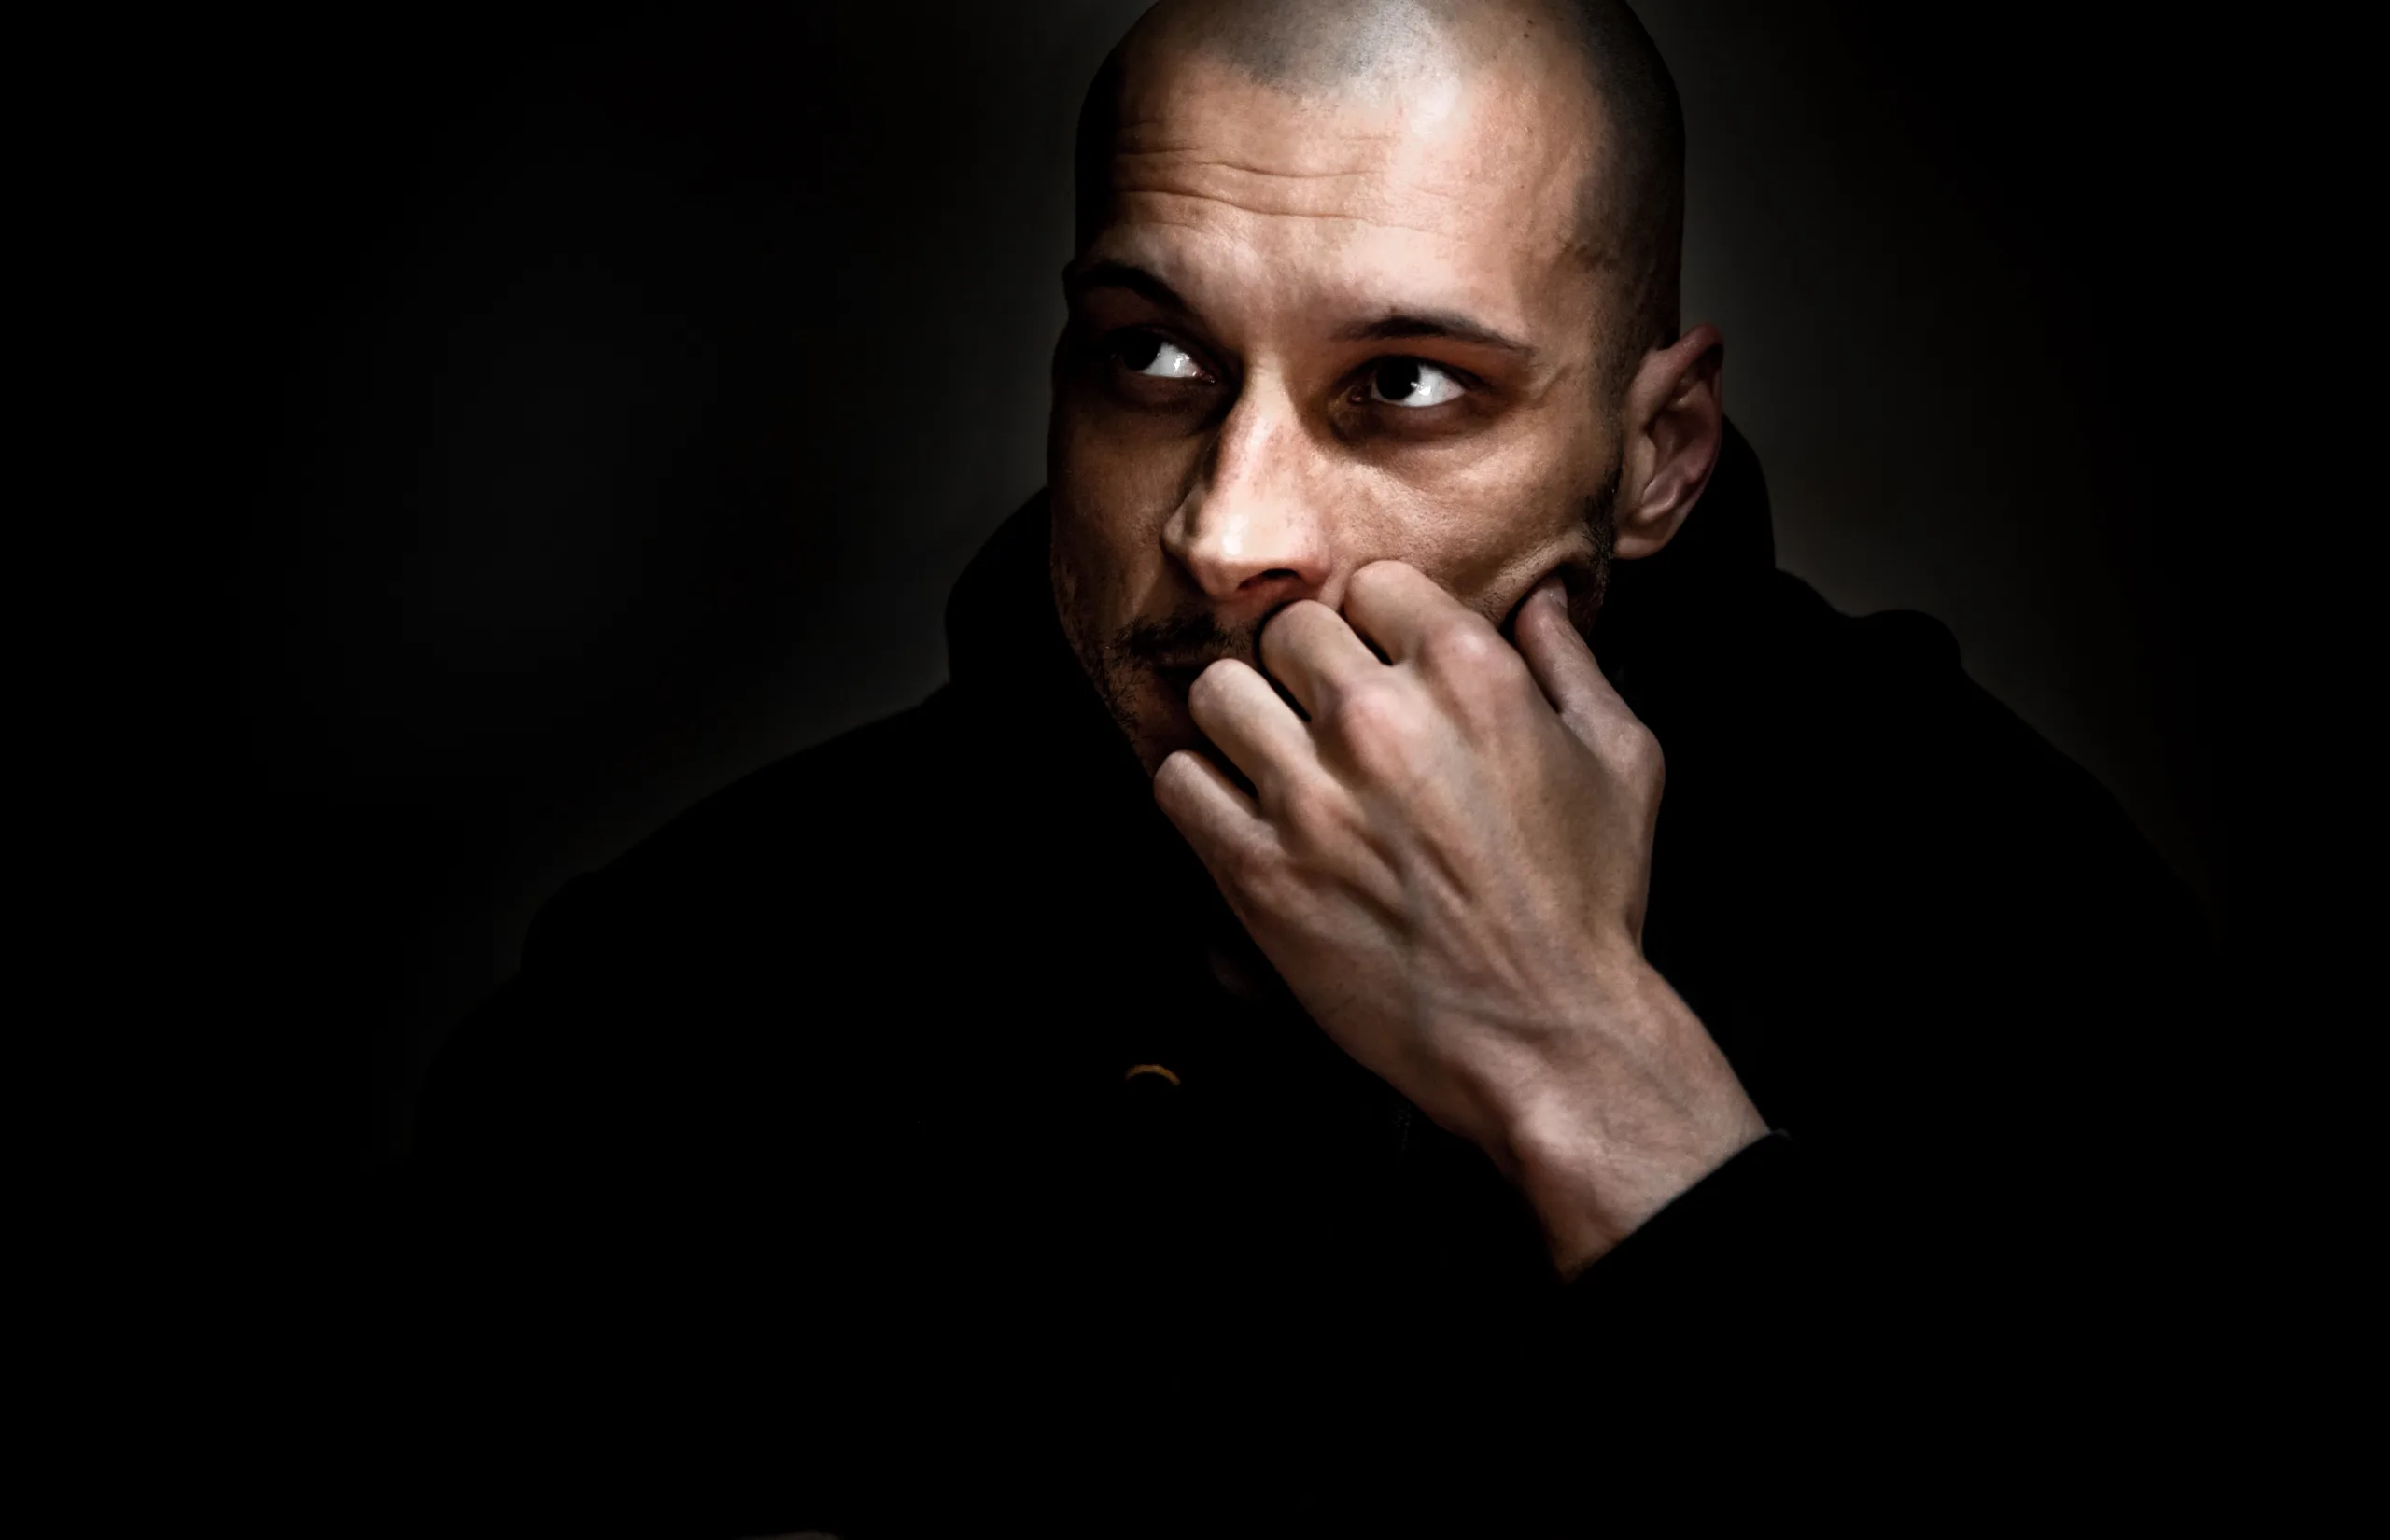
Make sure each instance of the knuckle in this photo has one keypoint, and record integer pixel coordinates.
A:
(1640, 755)
(1250, 867)
(1464, 646)
(1302, 809)
(1369, 721)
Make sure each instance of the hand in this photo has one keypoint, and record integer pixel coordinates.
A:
(1447, 863)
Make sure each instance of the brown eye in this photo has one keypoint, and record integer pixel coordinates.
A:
(1411, 383)
(1152, 354)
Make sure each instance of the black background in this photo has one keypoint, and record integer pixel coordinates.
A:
(630, 388)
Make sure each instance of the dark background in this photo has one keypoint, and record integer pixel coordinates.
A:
(632, 387)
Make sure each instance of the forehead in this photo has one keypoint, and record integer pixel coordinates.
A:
(1429, 184)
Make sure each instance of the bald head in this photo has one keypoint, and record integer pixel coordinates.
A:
(1629, 210)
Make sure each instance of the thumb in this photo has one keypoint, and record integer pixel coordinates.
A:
(1564, 666)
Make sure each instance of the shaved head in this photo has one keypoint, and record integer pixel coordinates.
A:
(1629, 212)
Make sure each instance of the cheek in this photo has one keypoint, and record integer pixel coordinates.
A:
(1112, 493)
(1478, 530)
(1098, 562)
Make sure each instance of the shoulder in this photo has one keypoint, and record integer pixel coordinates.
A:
(1855, 758)
(1884, 703)
(817, 833)
(813, 799)
(735, 947)
(1998, 843)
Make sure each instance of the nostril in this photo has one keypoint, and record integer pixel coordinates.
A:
(1276, 574)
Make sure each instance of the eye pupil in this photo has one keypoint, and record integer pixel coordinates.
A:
(1140, 349)
(1399, 379)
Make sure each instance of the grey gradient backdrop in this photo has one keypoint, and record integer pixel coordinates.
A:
(642, 385)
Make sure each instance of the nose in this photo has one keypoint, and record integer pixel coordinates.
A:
(1251, 531)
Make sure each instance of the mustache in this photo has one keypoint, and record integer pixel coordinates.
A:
(1181, 640)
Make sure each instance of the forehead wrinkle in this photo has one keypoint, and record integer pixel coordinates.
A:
(1410, 161)
(1337, 303)
(1168, 208)
(1204, 163)
(1273, 214)
(1129, 127)
(1381, 203)
(1203, 157)
(1378, 137)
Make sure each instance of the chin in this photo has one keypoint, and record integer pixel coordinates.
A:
(1152, 714)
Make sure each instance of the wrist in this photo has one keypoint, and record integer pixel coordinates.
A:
(1599, 1151)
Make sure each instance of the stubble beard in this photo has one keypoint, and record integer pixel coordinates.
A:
(1121, 666)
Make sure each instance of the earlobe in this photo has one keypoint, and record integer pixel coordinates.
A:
(1674, 428)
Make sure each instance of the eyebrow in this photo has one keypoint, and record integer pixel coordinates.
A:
(1400, 325)
(1136, 280)
(1395, 326)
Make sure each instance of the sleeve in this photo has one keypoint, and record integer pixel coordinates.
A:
(1689, 1267)
(1982, 1246)
(1721, 1293)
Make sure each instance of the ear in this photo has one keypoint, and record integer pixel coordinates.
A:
(1673, 425)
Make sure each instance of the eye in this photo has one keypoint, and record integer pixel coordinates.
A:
(1413, 382)
(1155, 357)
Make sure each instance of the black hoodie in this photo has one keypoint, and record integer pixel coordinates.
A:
(799, 1179)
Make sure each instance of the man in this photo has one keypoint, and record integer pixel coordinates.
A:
(1402, 929)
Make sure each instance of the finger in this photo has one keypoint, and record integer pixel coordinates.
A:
(1219, 821)
(1396, 606)
(1237, 710)
(1313, 652)
(1564, 666)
